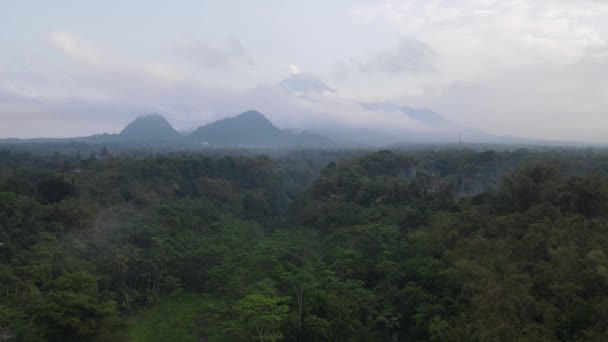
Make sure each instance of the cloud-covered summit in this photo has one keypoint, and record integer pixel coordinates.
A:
(306, 85)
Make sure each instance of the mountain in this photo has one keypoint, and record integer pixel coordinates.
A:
(425, 116)
(306, 84)
(438, 130)
(253, 129)
(151, 127)
(250, 128)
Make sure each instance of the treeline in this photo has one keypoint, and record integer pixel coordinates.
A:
(386, 246)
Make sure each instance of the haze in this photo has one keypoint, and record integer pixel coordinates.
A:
(521, 68)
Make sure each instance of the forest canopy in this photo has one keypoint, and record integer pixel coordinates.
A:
(419, 245)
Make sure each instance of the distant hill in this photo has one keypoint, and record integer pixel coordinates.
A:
(422, 115)
(253, 129)
(250, 128)
(436, 129)
(151, 127)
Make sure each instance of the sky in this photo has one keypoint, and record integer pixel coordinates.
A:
(535, 69)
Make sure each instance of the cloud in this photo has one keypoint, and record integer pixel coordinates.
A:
(294, 69)
(96, 90)
(91, 90)
(552, 101)
(340, 71)
(529, 68)
(226, 55)
(411, 56)
(73, 47)
(106, 64)
(109, 91)
(307, 86)
(286, 109)
(481, 36)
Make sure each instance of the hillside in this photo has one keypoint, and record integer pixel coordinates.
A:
(253, 129)
(151, 127)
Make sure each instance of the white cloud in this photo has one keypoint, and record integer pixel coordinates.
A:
(475, 37)
(294, 69)
(73, 47)
(411, 57)
(228, 54)
(106, 63)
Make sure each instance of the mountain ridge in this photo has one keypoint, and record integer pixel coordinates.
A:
(153, 127)
(253, 129)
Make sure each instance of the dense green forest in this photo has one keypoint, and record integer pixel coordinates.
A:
(420, 245)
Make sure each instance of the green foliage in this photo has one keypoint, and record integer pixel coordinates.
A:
(258, 318)
(176, 318)
(387, 246)
(54, 190)
(73, 310)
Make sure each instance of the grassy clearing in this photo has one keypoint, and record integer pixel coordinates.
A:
(178, 319)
